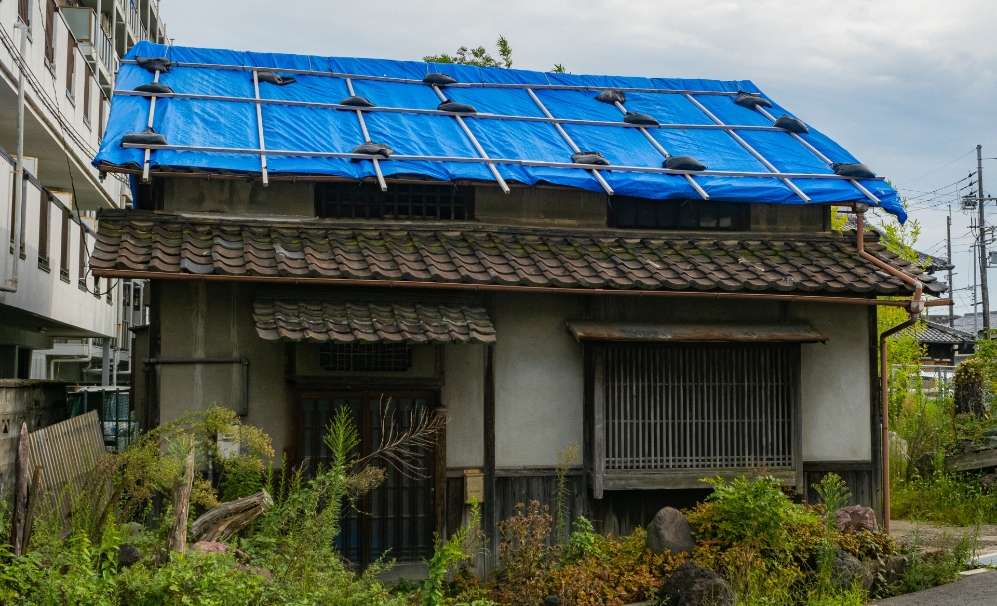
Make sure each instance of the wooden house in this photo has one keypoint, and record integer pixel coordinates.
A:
(642, 267)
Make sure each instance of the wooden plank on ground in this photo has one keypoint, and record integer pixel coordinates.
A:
(976, 460)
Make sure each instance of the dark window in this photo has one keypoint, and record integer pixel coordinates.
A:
(100, 115)
(43, 229)
(643, 213)
(366, 357)
(50, 33)
(24, 11)
(367, 201)
(64, 248)
(71, 66)
(82, 276)
(664, 408)
(87, 76)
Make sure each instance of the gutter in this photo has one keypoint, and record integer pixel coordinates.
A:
(914, 308)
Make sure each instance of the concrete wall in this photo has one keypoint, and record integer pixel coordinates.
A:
(463, 394)
(202, 320)
(239, 197)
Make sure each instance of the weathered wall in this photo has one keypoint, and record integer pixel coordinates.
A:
(463, 395)
(538, 379)
(835, 381)
(201, 320)
(239, 197)
(548, 207)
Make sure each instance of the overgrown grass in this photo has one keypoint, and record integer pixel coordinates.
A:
(945, 498)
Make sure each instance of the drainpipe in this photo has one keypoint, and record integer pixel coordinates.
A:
(19, 167)
(914, 309)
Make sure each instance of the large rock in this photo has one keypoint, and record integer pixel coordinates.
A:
(847, 570)
(670, 530)
(887, 572)
(692, 585)
(988, 482)
(128, 555)
(855, 518)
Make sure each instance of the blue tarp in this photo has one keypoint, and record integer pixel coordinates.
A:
(218, 123)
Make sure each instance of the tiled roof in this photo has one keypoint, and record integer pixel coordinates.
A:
(930, 263)
(309, 318)
(940, 333)
(473, 254)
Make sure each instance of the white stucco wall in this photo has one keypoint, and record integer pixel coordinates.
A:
(538, 379)
(836, 385)
(463, 395)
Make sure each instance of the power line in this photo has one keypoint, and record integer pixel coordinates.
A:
(940, 168)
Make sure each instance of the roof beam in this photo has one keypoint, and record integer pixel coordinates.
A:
(474, 142)
(259, 128)
(751, 150)
(570, 142)
(152, 115)
(366, 138)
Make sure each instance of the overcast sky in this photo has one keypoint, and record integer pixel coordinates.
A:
(908, 86)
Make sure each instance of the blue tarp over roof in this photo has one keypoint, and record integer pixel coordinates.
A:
(232, 124)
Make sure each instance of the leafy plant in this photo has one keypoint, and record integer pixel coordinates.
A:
(477, 56)
(833, 493)
(524, 555)
(565, 457)
(463, 546)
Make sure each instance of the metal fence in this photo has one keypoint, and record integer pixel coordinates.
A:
(113, 407)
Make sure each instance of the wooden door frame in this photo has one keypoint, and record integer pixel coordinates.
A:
(436, 493)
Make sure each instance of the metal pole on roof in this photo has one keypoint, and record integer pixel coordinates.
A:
(702, 193)
(152, 115)
(948, 249)
(750, 149)
(366, 138)
(984, 292)
(477, 146)
(825, 159)
(569, 141)
(259, 128)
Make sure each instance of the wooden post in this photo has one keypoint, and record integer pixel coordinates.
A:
(489, 507)
(440, 475)
(21, 482)
(177, 540)
(599, 422)
(34, 498)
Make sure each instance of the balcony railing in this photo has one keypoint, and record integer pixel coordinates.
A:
(93, 40)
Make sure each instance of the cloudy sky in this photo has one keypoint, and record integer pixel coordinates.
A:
(908, 86)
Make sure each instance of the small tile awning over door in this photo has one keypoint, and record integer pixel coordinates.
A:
(341, 321)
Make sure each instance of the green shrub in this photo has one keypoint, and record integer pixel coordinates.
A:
(945, 498)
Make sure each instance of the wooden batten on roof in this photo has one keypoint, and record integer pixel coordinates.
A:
(692, 333)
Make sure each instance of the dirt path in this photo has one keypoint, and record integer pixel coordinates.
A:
(932, 536)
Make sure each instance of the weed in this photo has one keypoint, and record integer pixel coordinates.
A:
(463, 546)
(565, 457)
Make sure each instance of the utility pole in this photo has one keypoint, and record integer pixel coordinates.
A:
(976, 314)
(985, 294)
(948, 248)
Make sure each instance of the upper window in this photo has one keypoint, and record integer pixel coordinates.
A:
(366, 357)
(642, 213)
(401, 201)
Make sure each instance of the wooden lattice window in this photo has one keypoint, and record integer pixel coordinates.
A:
(697, 215)
(366, 357)
(401, 201)
(665, 416)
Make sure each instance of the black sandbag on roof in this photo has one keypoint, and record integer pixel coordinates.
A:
(438, 79)
(457, 108)
(154, 64)
(374, 149)
(641, 119)
(611, 96)
(146, 137)
(856, 171)
(272, 78)
(751, 100)
(589, 157)
(356, 101)
(792, 125)
(683, 163)
(154, 87)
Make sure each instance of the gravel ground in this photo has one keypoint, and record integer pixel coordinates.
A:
(936, 536)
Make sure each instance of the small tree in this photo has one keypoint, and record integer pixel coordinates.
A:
(970, 380)
(477, 56)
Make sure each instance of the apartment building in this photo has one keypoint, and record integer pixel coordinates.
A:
(56, 320)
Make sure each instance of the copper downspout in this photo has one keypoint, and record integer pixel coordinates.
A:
(915, 307)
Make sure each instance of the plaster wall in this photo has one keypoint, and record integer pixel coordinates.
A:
(239, 197)
(202, 320)
(463, 394)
